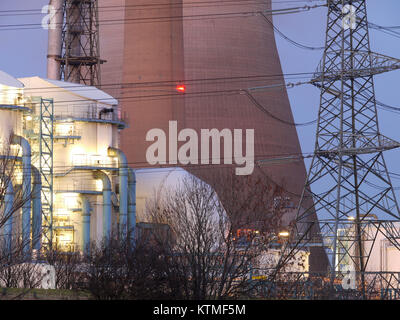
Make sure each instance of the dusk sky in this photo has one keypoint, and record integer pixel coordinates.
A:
(309, 29)
(24, 54)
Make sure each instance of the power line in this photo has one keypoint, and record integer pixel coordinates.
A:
(386, 30)
(262, 108)
(271, 160)
(32, 26)
(235, 91)
(212, 92)
(173, 83)
(174, 4)
(295, 43)
(216, 92)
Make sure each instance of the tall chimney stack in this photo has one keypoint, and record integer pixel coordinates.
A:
(55, 40)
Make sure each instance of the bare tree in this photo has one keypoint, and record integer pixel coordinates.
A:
(67, 266)
(13, 197)
(212, 251)
(115, 270)
(17, 272)
(192, 246)
(16, 269)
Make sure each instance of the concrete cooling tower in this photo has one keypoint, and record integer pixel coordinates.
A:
(216, 50)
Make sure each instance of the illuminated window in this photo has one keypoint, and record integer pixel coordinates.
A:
(65, 239)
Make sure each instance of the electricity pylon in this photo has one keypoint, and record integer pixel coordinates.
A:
(348, 183)
(80, 54)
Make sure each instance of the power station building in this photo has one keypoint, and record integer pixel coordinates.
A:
(216, 50)
(65, 139)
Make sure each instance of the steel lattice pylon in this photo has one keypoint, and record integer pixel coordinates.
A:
(80, 54)
(46, 140)
(348, 184)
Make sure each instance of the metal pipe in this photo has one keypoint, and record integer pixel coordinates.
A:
(55, 39)
(86, 209)
(8, 214)
(37, 209)
(100, 175)
(132, 205)
(26, 191)
(123, 189)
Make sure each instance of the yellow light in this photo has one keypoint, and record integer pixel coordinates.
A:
(29, 118)
(66, 237)
(18, 176)
(15, 149)
(65, 129)
(62, 212)
(99, 185)
(351, 218)
(78, 156)
(71, 201)
(10, 95)
(77, 150)
(284, 234)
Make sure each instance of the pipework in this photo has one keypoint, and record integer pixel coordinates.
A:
(132, 205)
(100, 175)
(26, 191)
(37, 209)
(8, 214)
(86, 211)
(123, 189)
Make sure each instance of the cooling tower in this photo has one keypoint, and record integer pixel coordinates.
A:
(217, 49)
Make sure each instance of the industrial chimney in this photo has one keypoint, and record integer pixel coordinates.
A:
(55, 40)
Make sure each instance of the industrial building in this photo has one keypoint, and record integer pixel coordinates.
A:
(67, 142)
(217, 50)
(381, 252)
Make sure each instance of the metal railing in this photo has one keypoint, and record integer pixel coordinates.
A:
(86, 185)
(92, 111)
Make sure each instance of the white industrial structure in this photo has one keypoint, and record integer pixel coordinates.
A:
(68, 135)
(383, 254)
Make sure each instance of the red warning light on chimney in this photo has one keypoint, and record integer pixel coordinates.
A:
(181, 88)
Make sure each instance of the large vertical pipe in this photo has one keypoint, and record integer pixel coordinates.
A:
(132, 205)
(8, 214)
(26, 192)
(85, 239)
(123, 189)
(36, 209)
(55, 40)
(100, 175)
